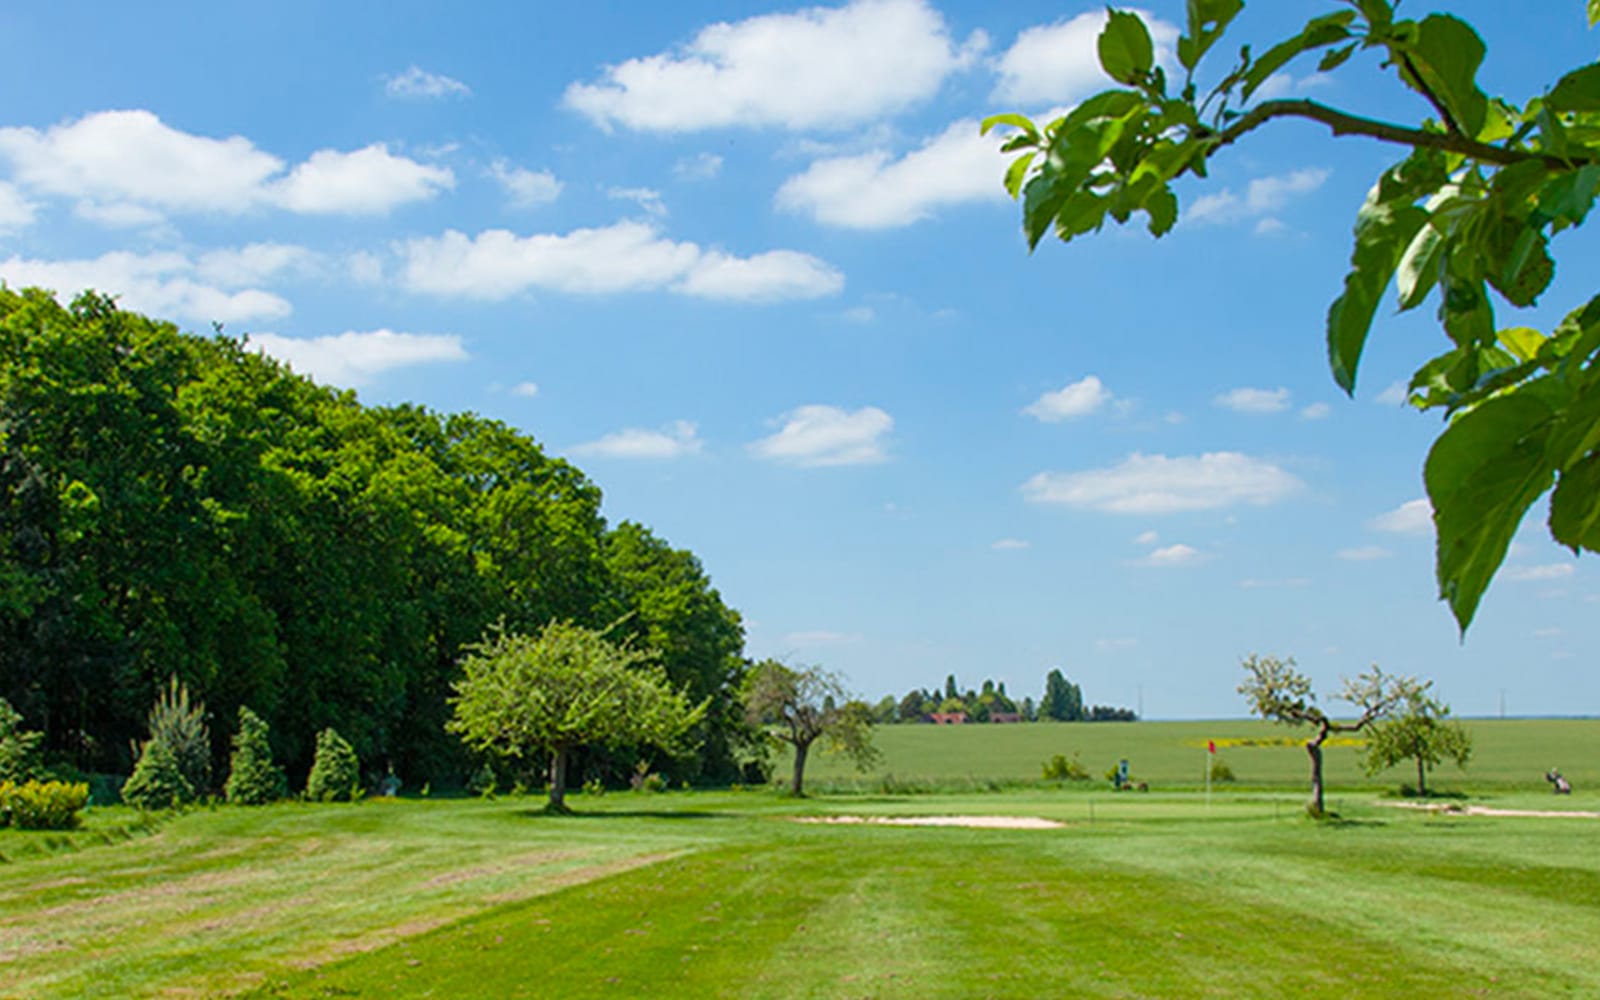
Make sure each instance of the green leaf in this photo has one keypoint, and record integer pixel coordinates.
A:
(1419, 267)
(1126, 52)
(1016, 172)
(1522, 341)
(1022, 123)
(1383, 231)
(1577, 91)
(1207, 20)
(1445, 58)
(1318, 33)
(1594, 12)
(1041, 199)
(1569, 196)
(1162, 207)
(1482, 475)
(1575, 506)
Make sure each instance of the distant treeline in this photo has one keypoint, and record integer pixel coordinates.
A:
(180, 505)
(1062, 702)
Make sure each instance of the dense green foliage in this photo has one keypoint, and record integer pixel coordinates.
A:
(253, 778)
(181, 506)
(336, 772)
(158, 781)
(42, 805)
(19, 748)
(180, 724)
(524, 697)
(797, 706)
(1472, 210)
(1420, 730)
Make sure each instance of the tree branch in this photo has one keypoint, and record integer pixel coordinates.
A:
(1347, 124)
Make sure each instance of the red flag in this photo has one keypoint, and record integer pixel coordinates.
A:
(1211, 746)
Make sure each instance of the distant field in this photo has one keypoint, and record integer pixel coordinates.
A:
(1509, 754)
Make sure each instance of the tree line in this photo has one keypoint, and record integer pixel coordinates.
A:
(179, 506)
(1062, 701)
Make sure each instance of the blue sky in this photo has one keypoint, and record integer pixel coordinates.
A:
(751, 268)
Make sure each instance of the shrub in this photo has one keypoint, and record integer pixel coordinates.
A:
(253, 779)
(19, 748)
(1221, 772)
(595, 787)
(654, 783)
(1059, 768)
(181, 724)
(483, 781)
(335, 773)
(158, 781)
(47, 805)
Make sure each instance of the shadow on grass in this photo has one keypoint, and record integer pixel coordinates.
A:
(545, 812)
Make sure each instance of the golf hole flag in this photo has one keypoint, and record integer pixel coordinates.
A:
(1211, 746)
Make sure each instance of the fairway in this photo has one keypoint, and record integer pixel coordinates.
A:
(723, 894)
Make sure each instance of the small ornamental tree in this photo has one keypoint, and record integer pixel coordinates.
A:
(1279, 693)
(523, 696)
(798, 707)
(158, 781)
(253, 779)
(336, 771)
(19, 748)
(1419, 730)
(180, 722)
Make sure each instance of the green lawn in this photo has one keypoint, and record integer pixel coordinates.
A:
(723, 895)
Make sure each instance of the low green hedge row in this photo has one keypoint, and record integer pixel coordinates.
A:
(42, 805)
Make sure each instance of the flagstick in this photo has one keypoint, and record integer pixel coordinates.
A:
(1208, 777)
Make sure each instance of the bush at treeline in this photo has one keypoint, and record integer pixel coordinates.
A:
(177, 505)
(42, 805)
(1062, 702)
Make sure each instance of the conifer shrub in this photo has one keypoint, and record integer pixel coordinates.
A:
(336, 772)
(180, 723)
(42, 805)
(253, 779)
(158, 781)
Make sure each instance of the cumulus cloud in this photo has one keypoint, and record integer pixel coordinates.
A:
(527, 390)
(1060, 63)
(1316, 411)
(1262, 196)
(1146, 538)
(648, 199)
(1010, 545)
(1174, 555)
(1547, 572)
(1156, 484)
(700, 167)
(525, 188)
(673, 441)
(161, 284)
(127, 167)
(876, 190)
(16, 212)
(1254, 400)
(255, 263)
(417, 83)
(816, 68)
(353, 358)
(1393, 394)
(1076, 399)
(818, 435)
(628, 256)
(1414, 517)
(1364, 553)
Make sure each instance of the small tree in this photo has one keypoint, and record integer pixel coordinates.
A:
(336, 771)
(158, 781)
(565, 688)
(1423, 731)
(180, 723)
(19, 748)
(253, 779)
(802, 706)
(1278, 692)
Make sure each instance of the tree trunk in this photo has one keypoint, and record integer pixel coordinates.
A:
(796, 785)
(1422, 782)
(1314, 748)
(558, 780)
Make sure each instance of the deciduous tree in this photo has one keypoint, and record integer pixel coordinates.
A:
(1420, 729)
(799, 706)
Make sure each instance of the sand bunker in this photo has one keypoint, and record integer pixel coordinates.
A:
(972, 822)
(1456, 810)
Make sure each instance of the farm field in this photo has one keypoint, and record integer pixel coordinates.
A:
(725, 894)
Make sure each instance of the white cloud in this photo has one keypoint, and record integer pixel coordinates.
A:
(353, 358)
(1076, 399)
(1156, 484)
(1262, 196)
(1549, 571)
(418, 83)
(628, 256)
(1364, 553)
(1414, 517)
(16, 212)
(527, 390)
(1146, 538)
(369, 181)
(125, 167)
(1316, 411)
(1174, 555)
(648, 199)
(819, 435)
(673, 441)
(1254, 400)
(774, 276)
(160, 284)
(1010, 545)
(700, 167)
(526, 188)
(876, 191)
(1060, 63)
(1393, 394)
(255, 263)
(816, 68)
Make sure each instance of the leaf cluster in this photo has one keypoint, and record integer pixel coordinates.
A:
(1277, 691)
(799, 705)
(1467, 218)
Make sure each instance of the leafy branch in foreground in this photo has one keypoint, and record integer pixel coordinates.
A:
(1471, 210)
